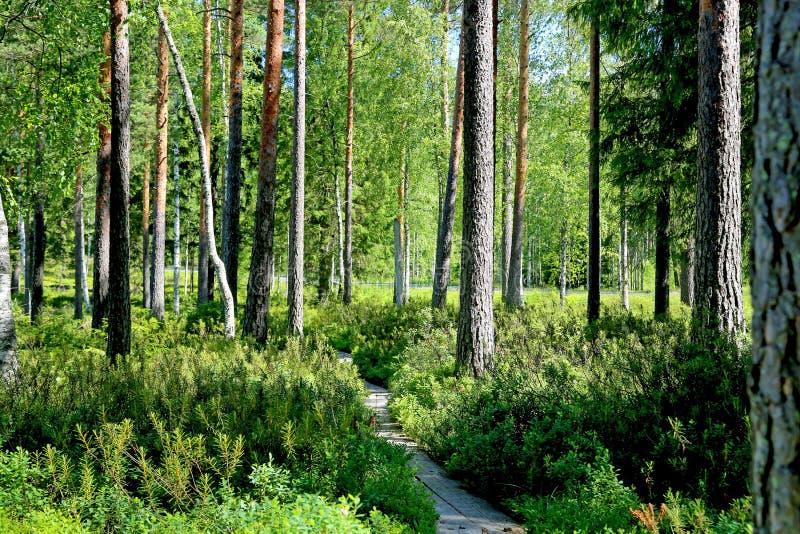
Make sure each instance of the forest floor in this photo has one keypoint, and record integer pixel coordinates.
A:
(459, 511)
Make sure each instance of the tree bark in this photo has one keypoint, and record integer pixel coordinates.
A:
(8, 333)
(146, 229)
(687, 275)
(774, 381)
(624, 270)
(508, 212)
(514, 297)
(593, 279)
(28, 266)
(259, 286)
(202, 261)
(78, 252)
(39, 246)
(162, 171)
(347, 293)
(102, 229)
(176, 225)
(225, 290)
(233, 170)
(119, 291)
(297, 206)
(718, 267)
(398, 262)
(662, 253)
(475, 338)
(444, 241)
(400, 235)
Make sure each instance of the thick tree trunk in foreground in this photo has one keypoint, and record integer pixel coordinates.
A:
(347, 292)
(475, 339)
(162, 170)
(514, 297)
(8, 334)
(687, 275)
(225, 290)
(146, 229)
(662, 253)
(233, 171)
(101, 214)
(718, 266)
(297, 208)
(119, 291)
(774, 381)
(78, 251)
(259, 286)
(624, 269)
(593, 279)
(444, 238)
(202, 279)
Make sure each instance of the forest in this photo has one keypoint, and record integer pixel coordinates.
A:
(400, 266)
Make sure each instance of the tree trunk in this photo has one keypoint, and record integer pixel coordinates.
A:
(347, 293)
(39, 242)
(718, 267)
(514, 297)
(8, 333)
(339, 229)
(475, 339)
(28, 266)
(444, 238)
(297, 207)
(202, 281)
(225, 290)
(162, 170)
(233, 172)
(78, 300)
(662, 253)
(146, 303)
(102, 216)
(18, 266)
(398, 262)
(593, 279)
(562, 271)
(508, 212)
(176, 226)
(774, 381)
(119, 291)
(624, 271)
(687, 275)
(259, 286)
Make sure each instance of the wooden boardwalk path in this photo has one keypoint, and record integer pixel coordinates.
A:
(459, 511)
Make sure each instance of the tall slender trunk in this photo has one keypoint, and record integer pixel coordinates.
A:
(146, 229)
(562, 261)
(407, 243)
(78, 300)
(297, 207)
(17, 266)
(347, 293)
(475, 338)
(202, 281)
(187, 274)
(593, 278)
(176, 225)
(119, 291)
(339, 230)
(259, 286)
(398, 261)
(23, 256)
(445, 66)
(28, 266)
(162, 171)
(718, 269)
(39, 240)
(508, 211)
(444, 240)
(102, 216)
(624, 271)
(662, 253)
(225, 290)
(8, 333)
(233, 169)
(687, 275)
(514, 297)
(774, 381)
(400, 234)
